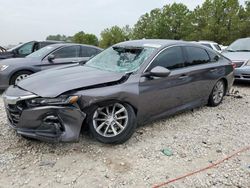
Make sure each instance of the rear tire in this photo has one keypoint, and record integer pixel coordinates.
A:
(18, 76)
(112, 124)
(217, 94)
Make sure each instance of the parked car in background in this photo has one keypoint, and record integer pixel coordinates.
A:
(223, 47)
(15, 69)
(2, 49)
(130, 83)
(25, 49)
(210, 44)
(239, 53)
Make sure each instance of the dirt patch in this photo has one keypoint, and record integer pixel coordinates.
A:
(196, 139)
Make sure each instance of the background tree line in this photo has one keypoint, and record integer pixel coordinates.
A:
(222, 21)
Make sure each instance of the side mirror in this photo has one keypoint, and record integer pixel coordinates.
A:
(51, 57)
(15, 52)
(158, 71)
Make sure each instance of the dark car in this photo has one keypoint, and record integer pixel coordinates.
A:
(15, 69)
(22, 50)
(126, 85)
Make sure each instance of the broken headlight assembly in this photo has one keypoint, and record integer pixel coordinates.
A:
(62, 100)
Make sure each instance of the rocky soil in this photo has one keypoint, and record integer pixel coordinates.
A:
(193, 140)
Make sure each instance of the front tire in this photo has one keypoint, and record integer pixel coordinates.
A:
(112, 124)
(217, 94)
(18, 76)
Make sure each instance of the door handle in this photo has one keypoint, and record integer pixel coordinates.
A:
(213, 70)
(183, 77)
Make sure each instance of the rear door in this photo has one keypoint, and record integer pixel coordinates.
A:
(204, 69)
(63, 56)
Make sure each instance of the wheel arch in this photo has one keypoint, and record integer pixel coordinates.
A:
(19, 70)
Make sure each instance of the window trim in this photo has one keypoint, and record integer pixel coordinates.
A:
(165, 48)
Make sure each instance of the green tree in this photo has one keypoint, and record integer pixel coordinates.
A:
(113, 35)
(171, 22)
(85, 38)
(217, 20)
(59, 37)
(148, 25)
(245, 20)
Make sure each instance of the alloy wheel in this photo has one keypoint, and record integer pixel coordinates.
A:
(21, 77)
(218, 92)
(111, 120)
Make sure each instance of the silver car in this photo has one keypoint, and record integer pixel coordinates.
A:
(239, 53)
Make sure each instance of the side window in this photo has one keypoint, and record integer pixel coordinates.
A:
(43, 44)
(92, 52)
(171, 58)
(196, 56)
(84, 52)
(67, 52)
(213, 56)
(88, 51)
(26, 49)
(36, 46)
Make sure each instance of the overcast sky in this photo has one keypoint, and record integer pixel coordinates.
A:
(25, 20)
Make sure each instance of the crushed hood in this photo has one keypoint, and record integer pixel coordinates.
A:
(237, 56)
(53, 82)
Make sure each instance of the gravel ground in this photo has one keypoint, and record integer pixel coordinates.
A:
(197, 138)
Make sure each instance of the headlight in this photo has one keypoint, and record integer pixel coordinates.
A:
(3, 67)
(248, 63)
(54, 101)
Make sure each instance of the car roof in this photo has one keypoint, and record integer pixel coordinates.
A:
(207, 42)
(156, 43)
(57, 45)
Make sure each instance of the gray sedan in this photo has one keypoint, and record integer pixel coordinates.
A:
(16, 69)
(133, 82)
(239, 53)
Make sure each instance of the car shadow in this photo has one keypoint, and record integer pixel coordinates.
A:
(242, 83)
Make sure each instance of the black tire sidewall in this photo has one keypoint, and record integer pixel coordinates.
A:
(123, 136)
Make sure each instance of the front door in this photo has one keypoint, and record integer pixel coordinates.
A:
(159, 95)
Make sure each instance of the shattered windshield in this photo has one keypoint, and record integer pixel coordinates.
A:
(121, 59)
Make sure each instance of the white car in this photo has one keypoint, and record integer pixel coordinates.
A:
(213, 45)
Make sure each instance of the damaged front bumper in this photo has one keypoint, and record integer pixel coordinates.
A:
(46, 123)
